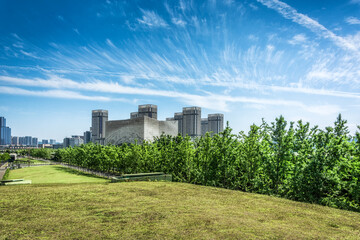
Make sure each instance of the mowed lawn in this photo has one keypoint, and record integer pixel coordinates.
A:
(53, 174)
(163, 210)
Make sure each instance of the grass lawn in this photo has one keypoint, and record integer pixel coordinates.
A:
(53, 174)
(163, 210)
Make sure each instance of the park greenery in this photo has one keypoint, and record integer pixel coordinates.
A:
(294, 160)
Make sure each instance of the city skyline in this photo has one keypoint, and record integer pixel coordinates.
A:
(248, 60)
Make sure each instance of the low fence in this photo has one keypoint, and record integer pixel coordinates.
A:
(89, 171)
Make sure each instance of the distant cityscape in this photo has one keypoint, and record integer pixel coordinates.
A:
(141, 125)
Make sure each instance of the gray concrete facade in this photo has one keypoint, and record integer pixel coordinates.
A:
(179, 118)
(99, 117)
(191, 121)
(204, 126)
(149, 110)
(216, 123)
(140, 129)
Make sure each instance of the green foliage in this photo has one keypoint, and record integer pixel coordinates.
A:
(4, 156)
(287, 160)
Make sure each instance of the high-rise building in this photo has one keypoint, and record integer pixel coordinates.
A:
(22, 141)
(99, 117)
(179, 118)
(52, 141)
(34, 141)
(76, 140)
(216, 123)
(44, 141)
(66, 142)
(15, 141)
(148, 110)
(191, 121)
(5, 132)
(87, 137)
(204, 126)
(28, 140)
(8, 136)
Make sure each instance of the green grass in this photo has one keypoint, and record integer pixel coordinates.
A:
(163, 210)
(53, 174)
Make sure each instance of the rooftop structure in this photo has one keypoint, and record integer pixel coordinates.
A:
(148, 110)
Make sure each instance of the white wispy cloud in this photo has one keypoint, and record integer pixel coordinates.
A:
(55, 94)
(151, 19)
(210, 101)
(298, 39)
(289, 12)
(355, 1)
(28, 54)
(110, 43)
(178, 21)
(352, 20)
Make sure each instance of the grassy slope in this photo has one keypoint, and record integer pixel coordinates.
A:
(159, 210)
(53, 174)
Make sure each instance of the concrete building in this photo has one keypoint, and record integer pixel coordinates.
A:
(191, 121)
(216, 123)
(34, 141)
(179, 118)
(148, 110)
(15, 141)
(144, 127)
(87, 137)
(52, 141)
(66, 142)
(44, 141)
(204, 126)
(21, 141)
(99, 117)
(28, 140)
(76, 140)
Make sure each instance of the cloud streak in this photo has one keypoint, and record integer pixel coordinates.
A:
(210, 101)
(289, 12)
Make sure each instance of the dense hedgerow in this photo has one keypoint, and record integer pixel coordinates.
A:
(295, 161)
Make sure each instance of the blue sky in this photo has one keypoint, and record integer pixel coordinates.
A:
(248, 59)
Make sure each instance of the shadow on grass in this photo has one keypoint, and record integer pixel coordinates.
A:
(76, 172)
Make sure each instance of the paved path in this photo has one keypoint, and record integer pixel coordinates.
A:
(3, 170)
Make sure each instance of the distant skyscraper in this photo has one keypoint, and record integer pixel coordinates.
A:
(87, 137)
(216, 123)
(15, 141)
(179, 117)
(5, 132)
(52, 141)
(8, 136)
(28, 140)
(76, 141)
(148, 110)
(66, 142)
(99, 117)
(22, 141)
(45, 141)
(204, 126)
(191, 121)
(34, 141)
